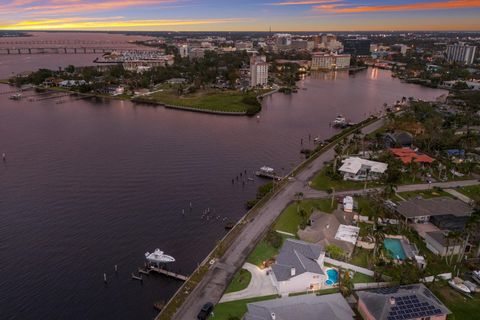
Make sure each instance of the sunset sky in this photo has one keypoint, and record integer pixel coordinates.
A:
(238, 15)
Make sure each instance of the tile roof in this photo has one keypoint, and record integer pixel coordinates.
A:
(407, 155)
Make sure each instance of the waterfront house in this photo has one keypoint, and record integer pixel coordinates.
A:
(407, 155)
(71, 83)
(358, 169)
(439, 243)
(299, 267)
(398, 139)
(411, 302)
(440, 211)
(434, 218)
(304, 307)
(331, 229)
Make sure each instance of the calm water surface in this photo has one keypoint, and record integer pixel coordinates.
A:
(89, 184)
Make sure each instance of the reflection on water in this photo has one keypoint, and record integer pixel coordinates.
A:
(90, 184)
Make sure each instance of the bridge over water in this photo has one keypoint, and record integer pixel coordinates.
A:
(57, 50)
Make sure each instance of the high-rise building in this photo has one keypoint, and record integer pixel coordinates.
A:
(283, 40)
(327, 41)
(258, 71)
(183, 50)
(357, 46)
(461, 53)
(299, 44)
(328, 61)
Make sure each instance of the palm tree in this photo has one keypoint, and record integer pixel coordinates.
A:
(378, 236)
(338, 154)
(472, 226)
(448, 239)
(456, 236)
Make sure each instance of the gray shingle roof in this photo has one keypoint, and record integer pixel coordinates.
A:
(411, 302)
(299, 255)
(305, 307)
(433, 207)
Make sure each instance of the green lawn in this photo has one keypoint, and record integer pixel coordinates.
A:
(360, 257)
(473, 192)
(318, 293)
(463, 308)
(365, 228)
(366, 207)
(425, 194)
(240, 281)
(228, 310)
(290, 218)
(362, 278)
(323, 182)
(262, 252)
(213, 100)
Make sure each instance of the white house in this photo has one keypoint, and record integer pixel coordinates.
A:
(299, 267)
(358, 169)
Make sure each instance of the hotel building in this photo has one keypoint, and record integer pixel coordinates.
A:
(329, 61)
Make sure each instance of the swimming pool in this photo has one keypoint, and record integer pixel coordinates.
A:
(394, 248)
(332, 277)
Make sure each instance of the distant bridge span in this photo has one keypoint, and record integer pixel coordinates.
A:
(57, 50)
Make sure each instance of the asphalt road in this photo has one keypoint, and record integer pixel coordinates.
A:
(309, 193)
(211, 288)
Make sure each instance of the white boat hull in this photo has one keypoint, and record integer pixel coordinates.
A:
(158, 257)
(459, 286)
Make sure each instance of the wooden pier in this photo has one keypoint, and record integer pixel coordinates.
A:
(163, 272)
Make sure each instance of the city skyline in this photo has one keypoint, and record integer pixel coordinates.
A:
(249, 15)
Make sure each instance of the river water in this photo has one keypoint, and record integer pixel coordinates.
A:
(89, 184)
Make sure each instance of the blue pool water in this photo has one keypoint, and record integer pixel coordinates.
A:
(394, 248)
(332, 277)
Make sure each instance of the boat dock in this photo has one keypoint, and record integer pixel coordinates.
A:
(163, 272)
(268, 175)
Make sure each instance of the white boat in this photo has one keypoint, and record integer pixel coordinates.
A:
(158, 256)
(476, 275)
(340, 121)
(457, 284)
(16, 96)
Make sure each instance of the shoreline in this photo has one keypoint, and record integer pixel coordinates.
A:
(136, 99)
(226, 242)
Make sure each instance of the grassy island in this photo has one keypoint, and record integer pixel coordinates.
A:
(209, 100)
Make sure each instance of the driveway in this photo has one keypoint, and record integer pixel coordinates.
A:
(260, 285)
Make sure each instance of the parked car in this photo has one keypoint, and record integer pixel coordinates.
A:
(205, 312)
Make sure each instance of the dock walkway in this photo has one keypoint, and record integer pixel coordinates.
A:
(163, 272)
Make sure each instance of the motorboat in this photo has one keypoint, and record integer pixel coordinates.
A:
(471, 286)
(457, 284)
(339, 121)
(16, 96)
(476, 276)
(158, 256)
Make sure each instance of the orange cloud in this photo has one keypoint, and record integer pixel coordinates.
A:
(437, 5)
(300, 2)
(107, 23)
(52, 7)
